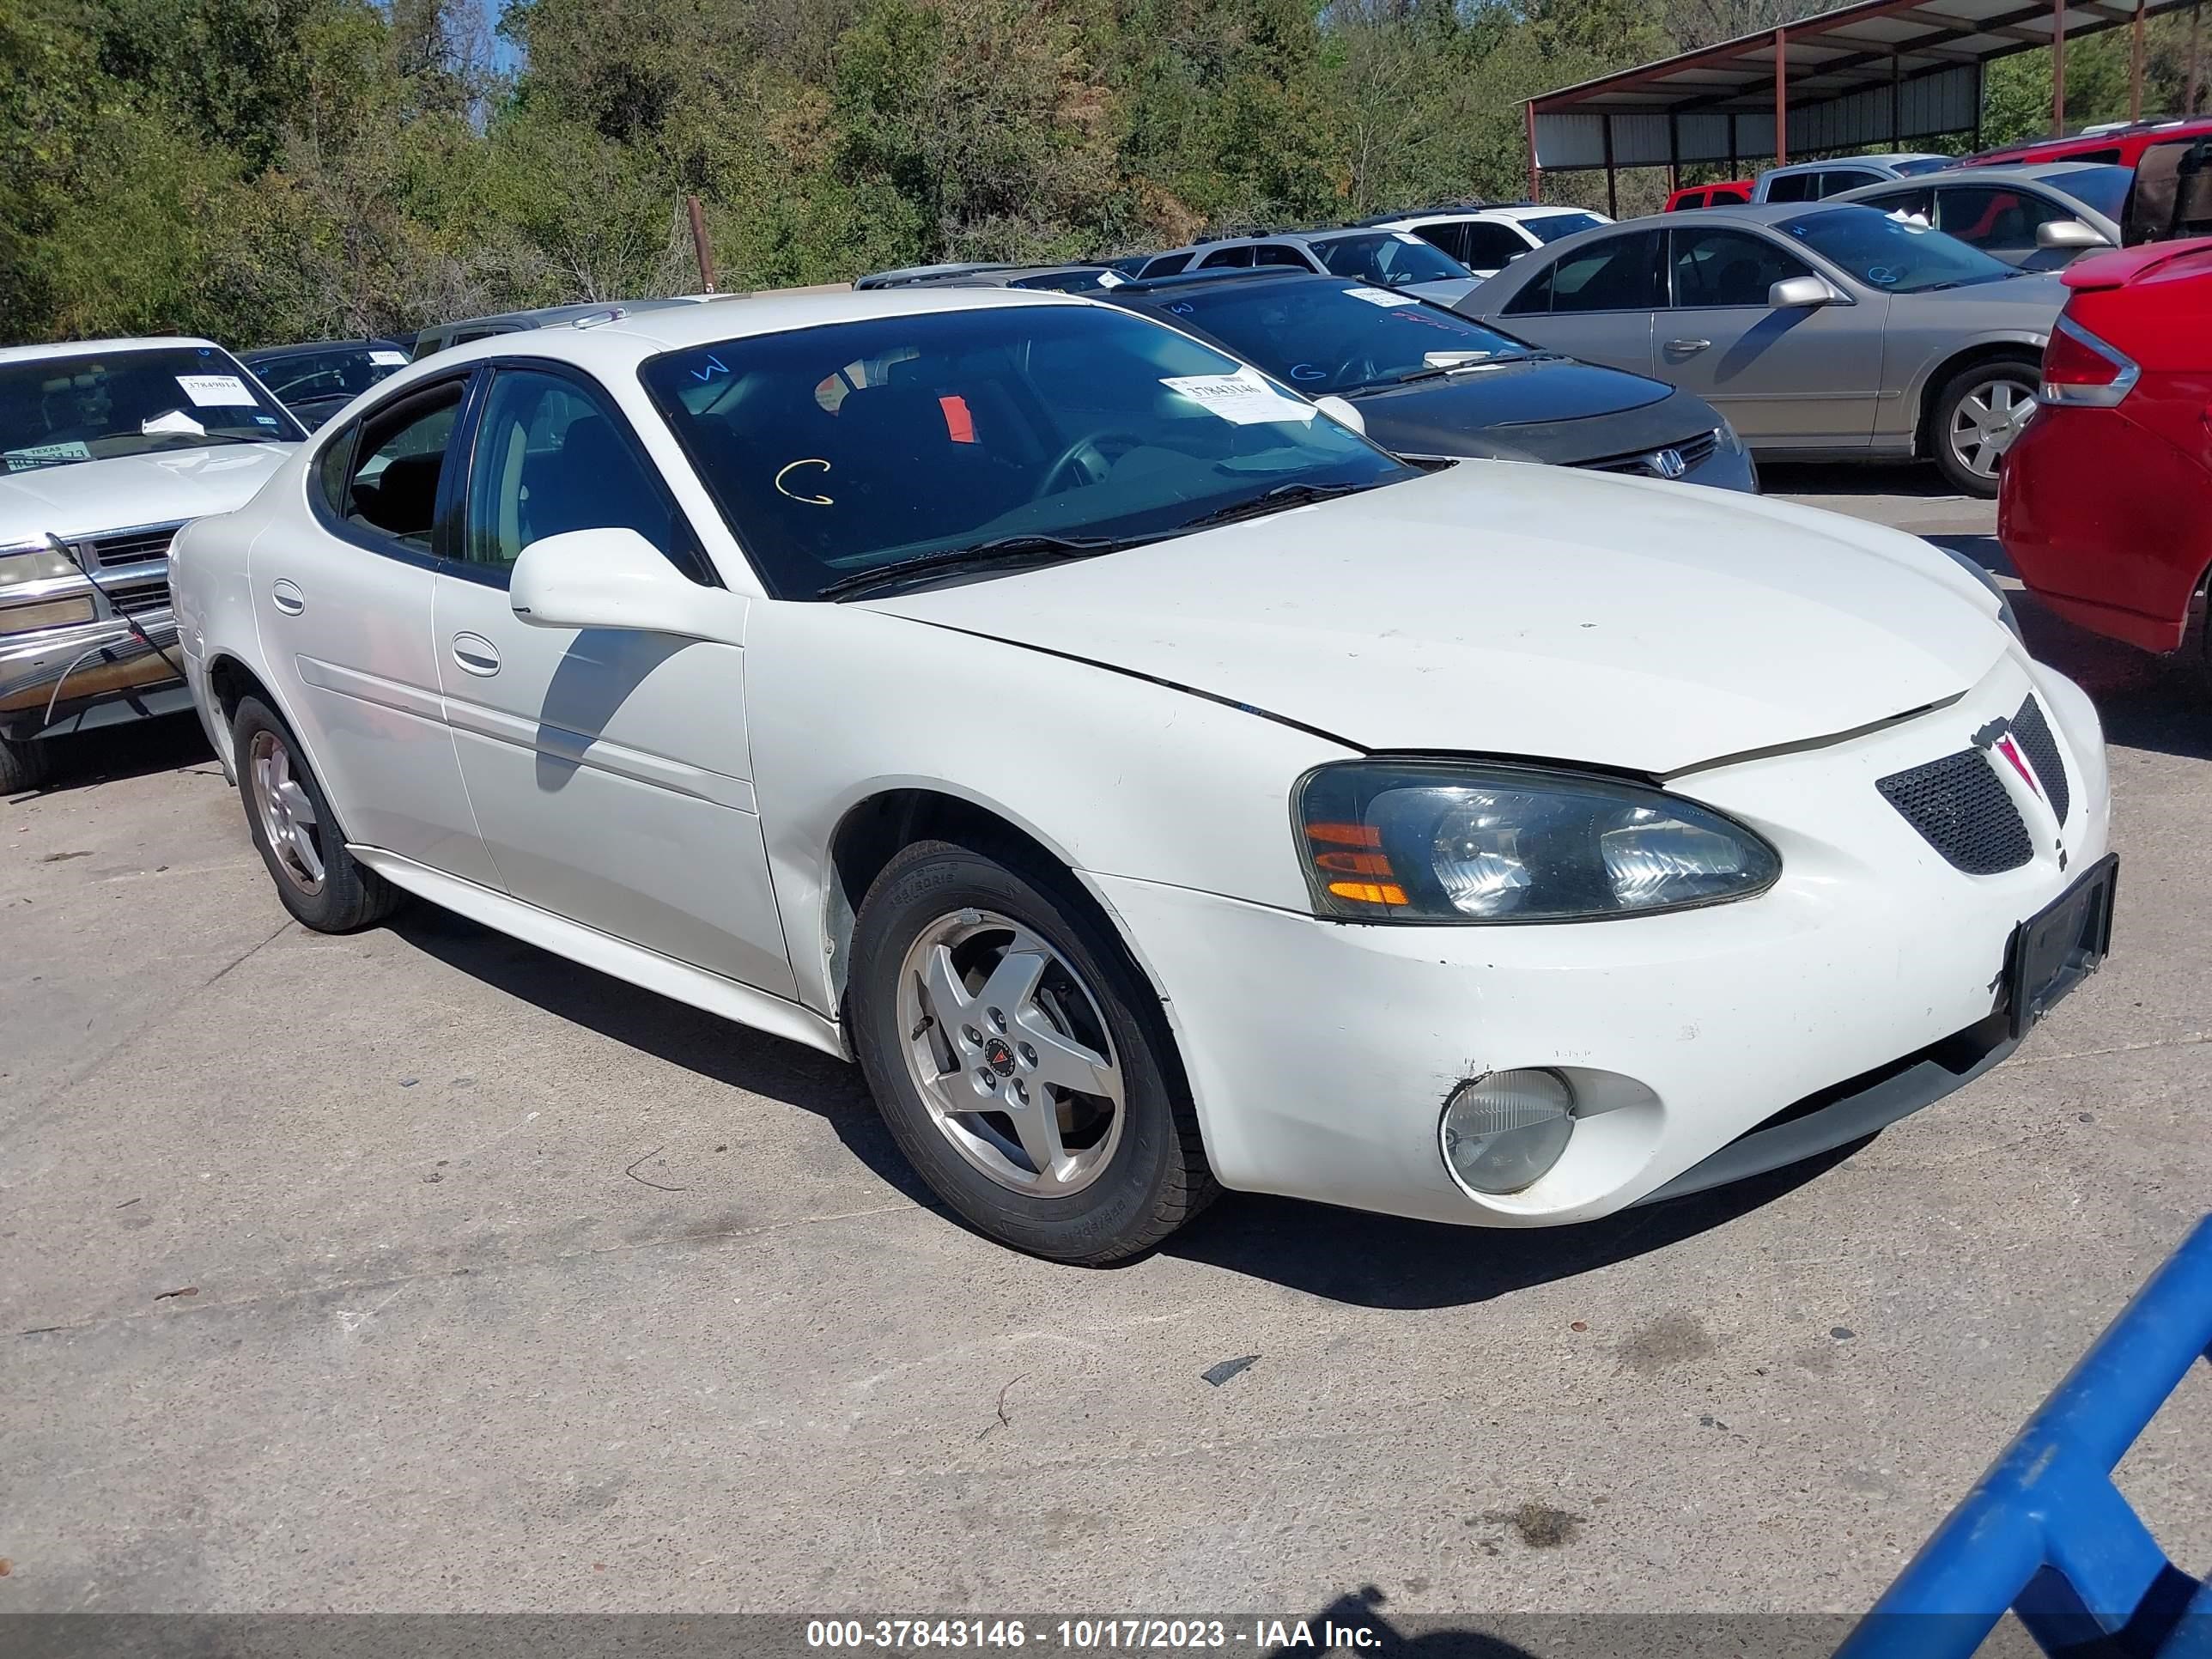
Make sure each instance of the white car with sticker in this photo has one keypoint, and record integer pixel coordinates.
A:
(109, 446)
(1155, 786)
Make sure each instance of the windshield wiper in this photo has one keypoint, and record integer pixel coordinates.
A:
(1002, 553)
(1440, 371)
(1281, 499)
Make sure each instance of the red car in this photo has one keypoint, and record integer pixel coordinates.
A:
(2117, 146)
(1729, 192)
(2105, 502)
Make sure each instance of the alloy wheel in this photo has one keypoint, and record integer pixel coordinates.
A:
(1984, 423)
(1010, 1052)
(287, 813)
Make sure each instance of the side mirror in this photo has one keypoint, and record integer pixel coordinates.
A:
(2069, 233)
(615, 577)
(1342, 411)
(1798, 293)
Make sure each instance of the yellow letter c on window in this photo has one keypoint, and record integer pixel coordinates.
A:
(811, 501)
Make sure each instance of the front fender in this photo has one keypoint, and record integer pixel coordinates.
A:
(1115, 775)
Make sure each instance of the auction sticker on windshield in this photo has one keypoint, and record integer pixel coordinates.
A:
(388, 359)
(216, 391)
(29, 460)
(1243, 398)
(1382, 296)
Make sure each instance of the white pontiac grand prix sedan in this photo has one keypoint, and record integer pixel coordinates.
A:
(1153, 785)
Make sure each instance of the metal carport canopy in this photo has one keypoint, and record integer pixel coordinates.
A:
(1876, 73)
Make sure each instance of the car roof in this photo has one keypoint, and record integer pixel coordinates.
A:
(1753, 213)
(630, 340)
(367, 343)
(543, 316)
(1183, 282)
(1005, 276)
(25, 354)
(1889, 158)
(904, 274)
(2018, 172)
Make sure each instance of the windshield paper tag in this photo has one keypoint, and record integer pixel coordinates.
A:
(1241, 398)
(388, 359)
(216, 391)
(1111, 279)
(1382, 296)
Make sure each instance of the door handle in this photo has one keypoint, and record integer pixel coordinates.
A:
(1688, 347)
(287, 598)
(475, 654)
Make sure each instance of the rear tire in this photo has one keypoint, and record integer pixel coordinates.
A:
(978, 983)
(323, 885)
(23, 765)
(1977, 414)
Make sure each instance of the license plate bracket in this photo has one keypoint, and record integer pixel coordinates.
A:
(2061, 945)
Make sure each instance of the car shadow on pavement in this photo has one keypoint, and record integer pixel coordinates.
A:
(713, 1047)
(1385, 1261)
(165, 742)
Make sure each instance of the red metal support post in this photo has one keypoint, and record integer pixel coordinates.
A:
(1782, 97)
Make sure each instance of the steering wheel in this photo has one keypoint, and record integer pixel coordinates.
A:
(1093, 445)
(1356, 371)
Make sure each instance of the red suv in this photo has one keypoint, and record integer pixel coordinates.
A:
(1729, 192)
(2105, 499)
(2118, 146)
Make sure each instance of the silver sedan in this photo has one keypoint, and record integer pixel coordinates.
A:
(1823, 330)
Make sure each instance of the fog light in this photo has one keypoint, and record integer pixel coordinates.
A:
(1502, 1132)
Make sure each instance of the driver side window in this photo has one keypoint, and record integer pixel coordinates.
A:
(551, 457)
(1727, 268)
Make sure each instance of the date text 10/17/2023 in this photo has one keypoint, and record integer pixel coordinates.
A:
(1091, 1635)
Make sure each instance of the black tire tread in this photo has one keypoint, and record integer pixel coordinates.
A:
(23, 766)
(354, 896)
(1188, 1185)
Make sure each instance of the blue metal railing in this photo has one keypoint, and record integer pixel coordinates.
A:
(2046, 1533)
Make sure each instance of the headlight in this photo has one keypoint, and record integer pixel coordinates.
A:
(40, 564)
(1446, 842)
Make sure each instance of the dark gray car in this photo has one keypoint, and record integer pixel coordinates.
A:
(1823, 330)
(1429, 383)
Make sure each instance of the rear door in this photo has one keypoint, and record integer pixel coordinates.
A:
(343, 603)
(1800, 377)
(2001, 220)
(1596, 302)
(609, 768)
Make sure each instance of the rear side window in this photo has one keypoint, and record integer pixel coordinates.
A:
(1792, 187)
(1226, 258)
(1726, 194)
(1620, 273)
(1491, 246)
(382, 474)
(1836, 180)
(1279, 253)
(1167, 265)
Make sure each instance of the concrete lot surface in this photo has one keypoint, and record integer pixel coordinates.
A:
(421, 1270)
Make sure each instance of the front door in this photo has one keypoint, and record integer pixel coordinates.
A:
(609, 768)
(343, 609)
(1804, 377)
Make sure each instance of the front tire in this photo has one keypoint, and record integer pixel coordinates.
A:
(1979, 412)
(323, 885)
(1019, 1059)
(23, 766)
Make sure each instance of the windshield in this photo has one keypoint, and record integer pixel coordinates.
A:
(1919, 165)
(1896, 254)
(1323, 336)
(58, 410)
(1392, 257)
(2104, 189)
(1553, 225)
(333, 372)
(833, 451)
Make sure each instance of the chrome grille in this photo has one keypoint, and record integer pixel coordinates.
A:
(1962, 809)
(136, 601)
(1695, 453)
(140, 546)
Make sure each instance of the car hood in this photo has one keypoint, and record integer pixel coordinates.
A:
(1447, 294)
(125, 491)
(2027, 302)
(1513, 610)
(1544, 409)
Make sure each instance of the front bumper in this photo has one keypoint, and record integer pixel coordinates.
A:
(1320, 1053)
(87, 675)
